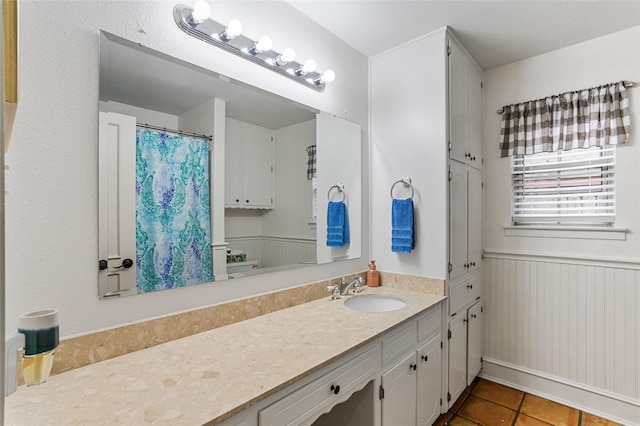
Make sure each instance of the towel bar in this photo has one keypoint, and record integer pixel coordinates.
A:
(340, 188)
(406, 182)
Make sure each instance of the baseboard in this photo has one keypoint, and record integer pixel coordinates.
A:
(618, 409)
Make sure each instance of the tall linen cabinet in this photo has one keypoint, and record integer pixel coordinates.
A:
(425, 104)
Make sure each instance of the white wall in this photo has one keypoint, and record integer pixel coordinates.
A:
(51, 205)
(408, 138)
(562, 315)
(292, 212)
(607, 59)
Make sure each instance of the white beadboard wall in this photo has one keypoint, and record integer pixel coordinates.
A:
(572, 321)
(562, 314)
(275, 251)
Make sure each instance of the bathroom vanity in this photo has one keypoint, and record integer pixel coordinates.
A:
(319, 362)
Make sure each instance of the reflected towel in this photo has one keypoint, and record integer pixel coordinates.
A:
(337, 224)
(402, 230)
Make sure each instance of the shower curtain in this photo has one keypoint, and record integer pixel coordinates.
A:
(172, 211)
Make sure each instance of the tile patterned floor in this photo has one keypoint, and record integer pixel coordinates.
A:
(491, 404)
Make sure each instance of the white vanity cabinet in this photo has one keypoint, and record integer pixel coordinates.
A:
(464, 334)
(248, 166)
(464, 286)
(411, 384)
(393, 380)
(307, 403)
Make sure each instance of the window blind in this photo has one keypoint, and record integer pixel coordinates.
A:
(564, 187)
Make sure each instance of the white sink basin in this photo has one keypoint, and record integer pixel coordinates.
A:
(374, 303)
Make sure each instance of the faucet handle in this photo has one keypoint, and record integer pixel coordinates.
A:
(335, 289)
(356, 287)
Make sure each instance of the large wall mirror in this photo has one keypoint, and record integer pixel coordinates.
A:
(277, 173)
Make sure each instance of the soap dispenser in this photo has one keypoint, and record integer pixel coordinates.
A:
(373, 275)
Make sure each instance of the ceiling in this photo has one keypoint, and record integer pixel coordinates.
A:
(494, 32)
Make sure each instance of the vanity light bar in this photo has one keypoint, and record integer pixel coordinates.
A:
(215, 33)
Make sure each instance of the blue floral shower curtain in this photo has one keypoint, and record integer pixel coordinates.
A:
(172, 211)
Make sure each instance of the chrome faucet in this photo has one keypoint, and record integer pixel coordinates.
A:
(345, 286)
(342, 289)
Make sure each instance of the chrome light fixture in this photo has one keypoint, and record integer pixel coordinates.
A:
(197, 23)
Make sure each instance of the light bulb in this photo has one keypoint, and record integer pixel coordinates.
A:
(287, 55)
(261, 45)
(327, 77)
(201, 12)
(309, 66)
(234, 29)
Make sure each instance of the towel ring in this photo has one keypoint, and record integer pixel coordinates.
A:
(406, 182)
(340, 188)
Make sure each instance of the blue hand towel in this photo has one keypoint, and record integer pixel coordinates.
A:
(402, 230)
(337, 224)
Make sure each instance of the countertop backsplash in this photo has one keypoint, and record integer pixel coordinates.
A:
(79, 351)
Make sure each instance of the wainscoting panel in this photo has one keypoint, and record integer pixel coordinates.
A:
(575, 321)
(275, 251)
(286, 251)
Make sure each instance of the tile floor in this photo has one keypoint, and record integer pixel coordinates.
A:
(491, 404)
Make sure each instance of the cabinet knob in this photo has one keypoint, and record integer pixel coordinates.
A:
(466, 265)
(247, 201)
(237, 200)
(413, 367)
(425, 358)
(473, 158)
(469, 286)
(473, 263)
(335, 389)
(474, 315)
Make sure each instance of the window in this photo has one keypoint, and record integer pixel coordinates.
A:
(574, 187)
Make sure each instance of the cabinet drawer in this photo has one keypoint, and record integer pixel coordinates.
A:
(310, 400)
(399, 342)
(464, 293)
(430, 325)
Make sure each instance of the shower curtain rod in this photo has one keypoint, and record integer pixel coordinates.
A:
(177, 132)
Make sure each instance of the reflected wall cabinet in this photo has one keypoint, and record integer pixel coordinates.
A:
(248, 166)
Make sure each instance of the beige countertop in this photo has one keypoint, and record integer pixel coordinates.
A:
(212, 375)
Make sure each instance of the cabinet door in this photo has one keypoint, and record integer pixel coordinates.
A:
(117, 203)
(474, 218)
(457, 219)
(474, 115)
(457, 357)
(233, 164)
(257, 188)
(474, 350)
(458, 93)
(429, 376)
(399, 403)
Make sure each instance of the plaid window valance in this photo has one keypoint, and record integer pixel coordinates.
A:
(592, 117)
(311, 162)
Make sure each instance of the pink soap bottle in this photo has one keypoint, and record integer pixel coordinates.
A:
(373, 275)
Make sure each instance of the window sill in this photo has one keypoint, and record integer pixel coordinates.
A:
(575, 232)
